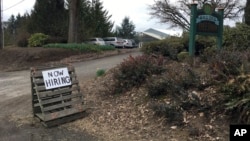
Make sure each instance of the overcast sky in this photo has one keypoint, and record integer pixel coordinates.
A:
(136, 10)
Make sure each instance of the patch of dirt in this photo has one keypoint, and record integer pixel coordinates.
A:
(130, 116)
(121, 117)
(16, 58)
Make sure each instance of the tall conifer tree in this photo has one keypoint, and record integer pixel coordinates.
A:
(247, 13)
(49, 17)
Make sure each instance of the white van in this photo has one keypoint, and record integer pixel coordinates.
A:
(114, 41)
(127, 43)
(96, 41)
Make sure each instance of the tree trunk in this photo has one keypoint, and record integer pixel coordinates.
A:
(247, 13)
(73, 21)
(1, 31)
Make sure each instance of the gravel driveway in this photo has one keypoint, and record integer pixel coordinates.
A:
(15, 101)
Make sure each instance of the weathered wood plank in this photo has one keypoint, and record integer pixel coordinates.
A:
(62, 120)
(60, 114)
(58, 91)
(58, 99)
(62, 105)
(38, 73)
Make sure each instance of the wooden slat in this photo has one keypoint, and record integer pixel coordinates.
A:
(62, 105)
(51, 67)
(38, 73)
(58, 91)
(58, 99)
(62, 120)
(60, 114)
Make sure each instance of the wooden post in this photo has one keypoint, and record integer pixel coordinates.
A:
(192, 30)
(220, 34)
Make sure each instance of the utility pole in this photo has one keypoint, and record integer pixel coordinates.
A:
(1, 29)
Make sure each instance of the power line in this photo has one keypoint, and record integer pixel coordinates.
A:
(13, 5)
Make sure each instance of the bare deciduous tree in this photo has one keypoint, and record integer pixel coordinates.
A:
(178, 14)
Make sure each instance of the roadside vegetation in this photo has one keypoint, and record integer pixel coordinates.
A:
(41, 40)
(167, 95)
(226, 70)
(86, 48)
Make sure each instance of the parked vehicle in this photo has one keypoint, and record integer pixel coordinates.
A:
(96, 41)
(127, 43)
(135, 45)
(114, 41)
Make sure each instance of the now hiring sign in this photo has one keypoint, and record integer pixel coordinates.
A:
(56, 78)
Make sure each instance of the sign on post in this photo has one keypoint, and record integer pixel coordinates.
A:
(56, 78)
(205, 21)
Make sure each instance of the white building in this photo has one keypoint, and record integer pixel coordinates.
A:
(153, 34)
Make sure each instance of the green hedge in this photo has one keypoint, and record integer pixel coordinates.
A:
(81, 47)
(37, 40)
(169, 47)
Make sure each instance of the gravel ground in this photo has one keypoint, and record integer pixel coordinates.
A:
(15, 104)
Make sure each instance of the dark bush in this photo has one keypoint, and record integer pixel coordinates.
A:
(23, 42)
(225, 64)
(169, 47)
(237, 91)
(203, 42)
(161, 86)
(133, 71)
(22, 39)
(207, 54)
(173, 114)
(234, 68)
(174, 82)
(238, 37)
(56, 40)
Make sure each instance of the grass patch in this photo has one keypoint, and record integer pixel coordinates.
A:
(100, 72)
(81, 47)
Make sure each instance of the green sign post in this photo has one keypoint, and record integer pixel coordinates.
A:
(205, 21)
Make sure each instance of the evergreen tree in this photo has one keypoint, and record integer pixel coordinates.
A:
(94, 20)
(85, 20)
(12, 25)
(49, 17)
(102, 25)
(247, 13)
(127, 29)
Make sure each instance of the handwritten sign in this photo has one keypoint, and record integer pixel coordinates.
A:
(56, 78)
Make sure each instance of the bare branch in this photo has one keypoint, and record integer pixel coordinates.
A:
(178, 14)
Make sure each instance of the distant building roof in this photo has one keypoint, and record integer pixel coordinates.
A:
(161, 34)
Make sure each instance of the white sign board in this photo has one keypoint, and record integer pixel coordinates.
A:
(56, 78)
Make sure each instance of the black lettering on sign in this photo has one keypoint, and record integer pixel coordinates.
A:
(65, 80)
(50, 74)
(56, 78)
(58, 73)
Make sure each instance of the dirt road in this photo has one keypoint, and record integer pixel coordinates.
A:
(15, 103)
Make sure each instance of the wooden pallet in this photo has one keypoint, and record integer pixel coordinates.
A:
(58, 105)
